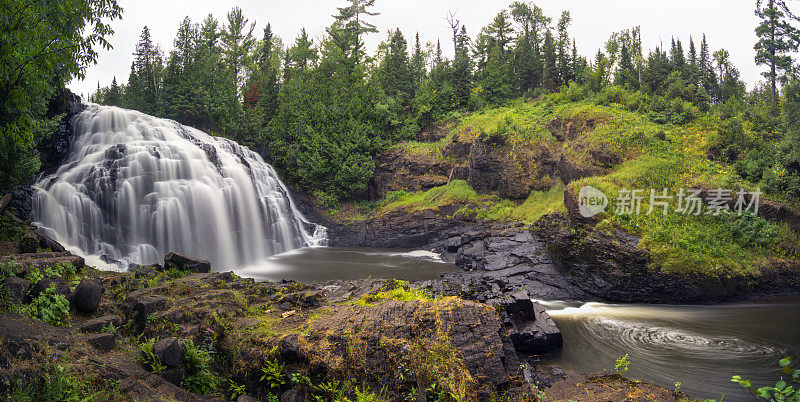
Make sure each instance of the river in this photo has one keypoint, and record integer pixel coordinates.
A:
(700, 346)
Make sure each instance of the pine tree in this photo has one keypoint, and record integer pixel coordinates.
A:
(395, 73)
(777, 40)
(300, 57)
(563, 48)
(352, 27)
(418, 71)
(267, 76)
(550, 73)
(527, 60)
(238, 42)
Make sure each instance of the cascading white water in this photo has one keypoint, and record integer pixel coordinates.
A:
(136, 187)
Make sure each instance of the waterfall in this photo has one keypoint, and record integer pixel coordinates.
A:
(136, 187)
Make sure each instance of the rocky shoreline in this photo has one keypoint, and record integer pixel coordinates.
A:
(142, 331)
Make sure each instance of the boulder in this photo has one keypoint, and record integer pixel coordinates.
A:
(15, 289)
(97, 324)
(88, 295)
(44, 284)
(147, 305)
(104, 342)
(185, 263)
(29, 243)
(529, 326)
(170, 351)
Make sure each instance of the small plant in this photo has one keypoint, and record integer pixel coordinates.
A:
(273, 374)
(148, 357)
(110, 327)
(621, 365)
(151, 318)
(782, 391)
(50, 307)
(236, 390)
(199, 379)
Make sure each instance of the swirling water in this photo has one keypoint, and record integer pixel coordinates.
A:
(699, 346)
(136, 187)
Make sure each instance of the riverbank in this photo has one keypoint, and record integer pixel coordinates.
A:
(170, 333)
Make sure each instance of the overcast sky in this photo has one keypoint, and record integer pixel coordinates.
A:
(727, 23)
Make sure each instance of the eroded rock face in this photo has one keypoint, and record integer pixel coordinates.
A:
(498, 167)
(398, 169)
(471, 328)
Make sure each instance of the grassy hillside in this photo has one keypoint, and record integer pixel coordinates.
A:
(630, 151)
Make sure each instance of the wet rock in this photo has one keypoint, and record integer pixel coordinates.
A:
(15, 289)
(531, 328)
(170, 351)
(143, 271)
(27, 262)
(399, 169)
(104, 342)
(289, 347)
(293, 395)
(185, 263)
(497, 167)
(246, 398)
(88, 295)
(29, 243)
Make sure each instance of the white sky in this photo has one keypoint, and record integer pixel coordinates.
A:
(727, 23)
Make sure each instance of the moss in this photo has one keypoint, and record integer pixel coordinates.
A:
(457, 192)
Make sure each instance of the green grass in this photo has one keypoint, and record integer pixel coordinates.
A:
(401, 292)
(458, 191)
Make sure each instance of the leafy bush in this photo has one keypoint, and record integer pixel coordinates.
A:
(621, 365)
(50, 307)
(199, 378)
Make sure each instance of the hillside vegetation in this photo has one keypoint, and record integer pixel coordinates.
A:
(619, 148)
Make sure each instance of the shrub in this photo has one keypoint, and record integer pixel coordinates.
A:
(199, 378)
(148, 358)
(50, 307)
(621, 365)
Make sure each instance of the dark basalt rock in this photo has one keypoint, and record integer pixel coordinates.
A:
(60, 285)
(97, 324)
(88, 295)
(529, 326)
(15, 289)
(170, 351)
(185, 263)
(103, 342)
(29, 243)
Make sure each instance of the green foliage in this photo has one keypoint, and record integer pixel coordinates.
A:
(53, 382)
(148, 358)
(11, 230)
(402, 291)
(38, 56)
(197, 361)
(272, 375)
(782, 390)
(50, 307)
(621, 365)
